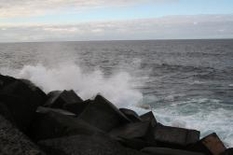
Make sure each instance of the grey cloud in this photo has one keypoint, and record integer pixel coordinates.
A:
(173, 27)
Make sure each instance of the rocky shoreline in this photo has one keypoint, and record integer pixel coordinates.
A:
(61, 123)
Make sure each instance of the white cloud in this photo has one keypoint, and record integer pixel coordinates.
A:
(172, 27)
(13, 8)
(61, 29)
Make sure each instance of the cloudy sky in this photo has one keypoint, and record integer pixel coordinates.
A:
(64, 20)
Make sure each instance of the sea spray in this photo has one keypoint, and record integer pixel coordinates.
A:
(116, 87)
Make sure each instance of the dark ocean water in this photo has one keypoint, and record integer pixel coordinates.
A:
(187, 83)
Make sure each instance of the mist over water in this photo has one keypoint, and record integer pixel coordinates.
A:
(186, 83)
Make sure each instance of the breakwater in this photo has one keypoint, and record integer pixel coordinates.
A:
(62, 123)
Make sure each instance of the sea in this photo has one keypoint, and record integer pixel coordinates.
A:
(186, 83)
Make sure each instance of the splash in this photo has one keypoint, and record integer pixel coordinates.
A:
(117, 87)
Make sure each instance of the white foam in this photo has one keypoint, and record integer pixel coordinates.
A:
(117, 88)
(204, 115)
(196, 82)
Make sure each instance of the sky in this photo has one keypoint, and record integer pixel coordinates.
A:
(70, 20)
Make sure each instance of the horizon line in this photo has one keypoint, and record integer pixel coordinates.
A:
(110, 40)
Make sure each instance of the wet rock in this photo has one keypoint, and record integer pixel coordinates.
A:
(4, 111)
(132, 115)
(210, 145)
(103, 114)
(58, 99)
(78, 107)
(21, 100)
(133, 135)
(228, 152)
(14, 142)
(131, 130)
(53, 125)
(85, 145)
(47, 110)
(5, 80)
(174, 137)
(149, 116)
(40, 94)
(52, 97)
(136, 143)
(167, 151)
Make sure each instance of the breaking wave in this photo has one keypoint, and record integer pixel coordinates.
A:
(118, 87)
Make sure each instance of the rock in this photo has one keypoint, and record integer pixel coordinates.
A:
(149, 116)
(174, 137)
(47, 110)
(54, 125)
(5, 80)
(57, 99)
(21, 100)
(41, 95)
(4, 111)
(52, 97)
(132, 115)
(136, 143)
(210, 145)
(103, 114)
(14, 142)
(133, 135)
(85, 145)
(228, 152)
(131, 130)
(167, 151)
(78, 107)
(24, 88)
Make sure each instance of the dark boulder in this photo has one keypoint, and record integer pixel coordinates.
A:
(228, 152)
(4, 111)
(210, 145)
(57, 99)
(41, 96)
(133, 135)
(174, 137)
(136, 143)
(132, 115)
(103, 114)
(5, 80)
(53, 125)
(14, 142)
(24, 88)
(85, 145)
(52, 97)
(47, 110)
(131, 130)
(167, 151)
(77, 107)
(149, 116)
(21, 98)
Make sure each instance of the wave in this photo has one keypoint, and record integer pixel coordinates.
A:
(118, 87)
(205, 115)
